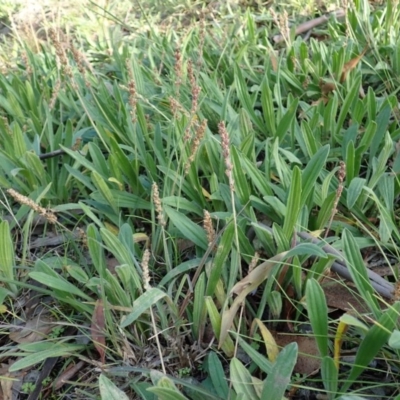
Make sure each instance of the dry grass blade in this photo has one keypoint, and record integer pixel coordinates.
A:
(97, 329)
(243, 288)
(350, 65)
(308, 25)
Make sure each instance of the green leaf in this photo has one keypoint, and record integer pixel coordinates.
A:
(165, 388)
(394, 340)
(306, 249)
(325, 213)
(344, 109)
(228, 347)
(109, 391)
(59, 283)
(279, 378)
(293, 204)
(257, 177)
(241, 181)
(259, 359)
(224, 248)
(55, 350)
(242, 381)
(358, 271)
(7, 257)
(103, 188)
(318, 314)
(245, 99)
(373, 342)
(287, 119)
(329, 374)
(141, 304)
(381, 121)
(163, 393)
(268, 107)
(312, 171)
(217, 375)
(199, 309)
(188, 228)
(350, 162)
(354, 191)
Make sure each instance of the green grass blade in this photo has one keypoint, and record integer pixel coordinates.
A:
(142, 304)
(318, 315)
(358, 271)
(375, 339)
(293, 204)
(187, 227)
(277, 381)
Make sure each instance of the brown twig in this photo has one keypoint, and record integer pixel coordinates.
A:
(52, 154)
(308, 25)
(383, 287)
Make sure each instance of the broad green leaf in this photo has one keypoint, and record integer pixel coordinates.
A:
(394, 340)
(358, 271)
(354, 191)
(180, 269)
(373, 342)
(199, 309)
(59, 283)
(165, 388)
(279, 378)
(286, 120)
(228, 347)
(318, 314)
(325, 213)
(259, 359)
(7, 257)
(268, 107)
(293, 204)
(224, 248)
(241, 380)
(245, 99)
(142, 304)
(311, 143)
(312, 171)
(109, 391)
(164, 393)
(306, 249)
(329, 374)
(381, 121)
(103, 188)
(54, 350)
(344, 109)
(188, 228)
(241, 181)
(350, 162)
(217, 375)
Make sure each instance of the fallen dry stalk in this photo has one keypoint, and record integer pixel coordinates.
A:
(308, 25)
(382, 286)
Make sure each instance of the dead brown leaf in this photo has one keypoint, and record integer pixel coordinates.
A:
(308, 360)
(112, 263)
(339, 296)
(326, 87)
(350, 65)
(34, 330)
(8, 380)
(274, 61)
(6, 384)
(97, 330)
(67, 375)
(242, 289)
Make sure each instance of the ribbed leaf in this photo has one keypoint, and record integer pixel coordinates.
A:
(187, 227)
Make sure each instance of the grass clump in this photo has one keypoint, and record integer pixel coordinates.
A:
(182, 193)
